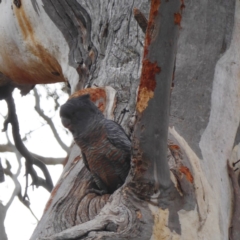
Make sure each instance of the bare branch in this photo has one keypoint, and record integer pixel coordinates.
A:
(17, 190)
(49, 160)
(46, 160)
(30, 160)
(49, 121)
(18, 155)
(7, 148)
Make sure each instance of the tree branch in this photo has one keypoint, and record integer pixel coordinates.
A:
(49, 121)
(7, 148)
(49, 160)
(46, 160)
(17, 190)
(30, 160)
(151, 172)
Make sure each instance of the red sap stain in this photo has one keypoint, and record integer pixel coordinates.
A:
(177, 18)
(187, 173)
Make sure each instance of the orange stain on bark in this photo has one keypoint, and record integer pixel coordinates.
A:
(139, 214)
(182, 5)
(174, 147)
(152, 15)
(77, 159)
(187, 173)
(40, 66)
(97, 95)
(177, 18)
(147, 84)
(149, 69)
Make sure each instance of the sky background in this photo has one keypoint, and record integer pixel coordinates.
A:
(19, 222)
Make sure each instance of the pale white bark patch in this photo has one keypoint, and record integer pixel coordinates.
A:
(217, 140)
(160, 227)
(203, 221)
(32, 48)
(110, 102)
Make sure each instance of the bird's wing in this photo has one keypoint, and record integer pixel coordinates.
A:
(85, 161)
(117, 136)
(120, 141)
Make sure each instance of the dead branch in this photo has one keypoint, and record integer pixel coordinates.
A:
(49, 160)
(46, 160)
(17, 190)
(30, 160)
(7, 148)
(49, 121)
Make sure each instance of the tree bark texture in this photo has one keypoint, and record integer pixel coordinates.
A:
(99, 43)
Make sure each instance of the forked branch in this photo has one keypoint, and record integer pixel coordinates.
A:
(49, 121)
(30, 160)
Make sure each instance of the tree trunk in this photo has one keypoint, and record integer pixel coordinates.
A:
(99, 43)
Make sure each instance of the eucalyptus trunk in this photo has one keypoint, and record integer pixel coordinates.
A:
(178, 186)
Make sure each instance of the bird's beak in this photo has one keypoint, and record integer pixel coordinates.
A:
(66, 122)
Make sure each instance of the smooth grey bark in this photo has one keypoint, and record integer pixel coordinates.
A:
(205, 36)
(151, 130)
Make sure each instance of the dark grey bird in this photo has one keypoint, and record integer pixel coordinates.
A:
(106, 149)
